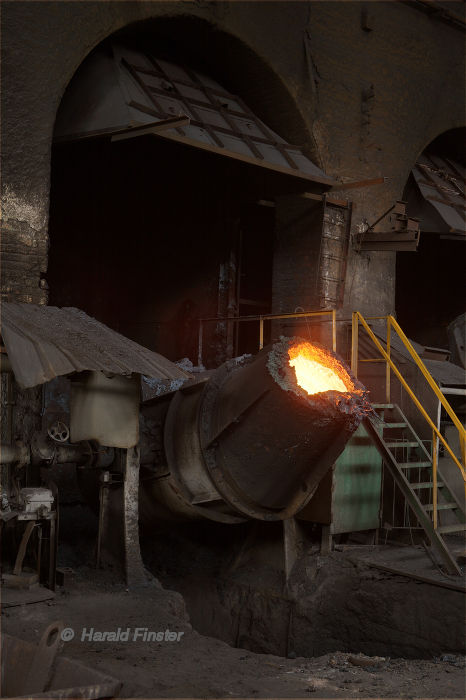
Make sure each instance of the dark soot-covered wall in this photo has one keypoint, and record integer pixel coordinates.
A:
(364, 87)
(143, 234)
(137, 237)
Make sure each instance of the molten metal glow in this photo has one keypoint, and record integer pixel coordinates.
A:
(317, 371)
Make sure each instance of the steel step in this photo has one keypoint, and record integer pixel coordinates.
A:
(426, 485)
(459, 527)
(411, 496)
(402, 444)
(441, 506)
(414, 465)
(395, 425)
(383, 405)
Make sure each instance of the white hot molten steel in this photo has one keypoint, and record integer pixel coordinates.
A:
(317, 371)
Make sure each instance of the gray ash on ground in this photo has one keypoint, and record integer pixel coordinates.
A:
(199, 666)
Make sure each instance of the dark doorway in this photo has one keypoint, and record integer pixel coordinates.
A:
(430, 287)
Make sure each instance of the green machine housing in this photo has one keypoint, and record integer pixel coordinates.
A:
(348, 499)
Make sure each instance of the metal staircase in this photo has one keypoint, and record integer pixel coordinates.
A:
(411, 466)
(414, 469)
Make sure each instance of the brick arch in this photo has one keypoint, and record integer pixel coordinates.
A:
(452, 141)
(456, 133)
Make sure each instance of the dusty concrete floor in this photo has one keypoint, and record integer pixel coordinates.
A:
(234, 589)
(343, 611)
(203, 667)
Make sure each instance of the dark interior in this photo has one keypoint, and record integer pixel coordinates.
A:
(430, 287)
(143, 243)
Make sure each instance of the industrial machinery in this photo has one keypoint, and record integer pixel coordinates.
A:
(252, 439)
(270, 437)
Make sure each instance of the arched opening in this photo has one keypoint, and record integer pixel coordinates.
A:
(149, 234)
(430, 284)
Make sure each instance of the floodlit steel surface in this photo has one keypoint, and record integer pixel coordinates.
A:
(441, 183)
(105, 409)
(44, 342)
(127, 88)
(248, 443)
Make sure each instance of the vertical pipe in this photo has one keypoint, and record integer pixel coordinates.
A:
(463, 456)
(463, 449)
(334, 330)
(9, 409)
(354, 343)
(134, 567)
(6, 370)
(102, 503)
(52, 550)
(434, 477)
(199, 344)
(388, 369)
(39, 552)
(261, 333)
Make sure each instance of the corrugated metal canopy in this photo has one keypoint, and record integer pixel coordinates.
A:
(44, 342)
(441, 183)
(119, 87)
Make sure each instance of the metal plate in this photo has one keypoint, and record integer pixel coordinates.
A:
(129, 88)
(105, 409)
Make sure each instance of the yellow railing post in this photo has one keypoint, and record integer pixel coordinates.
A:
(354, 343)
(387, 376)
(334, 330)
(413, 396)
(261, 333)
(430, 380)
(434, 477)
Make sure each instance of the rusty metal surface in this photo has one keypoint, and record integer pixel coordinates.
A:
(400, 232)
(38, 674)
(249, 443)
(68, 678)
(457, 339)
(134, 568)
(132, 88)
(334, 246)
(441, 183)
(118, 535)
(44, 342)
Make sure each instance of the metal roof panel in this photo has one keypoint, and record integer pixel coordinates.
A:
(44, 342)
(441, 183)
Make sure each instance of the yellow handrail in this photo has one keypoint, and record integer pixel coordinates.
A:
(266, 317)
(432, 383)
(358, 318)
(434, 478)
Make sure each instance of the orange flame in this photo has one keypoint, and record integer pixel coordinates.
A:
(317, 371)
